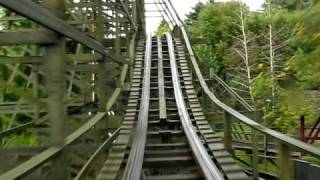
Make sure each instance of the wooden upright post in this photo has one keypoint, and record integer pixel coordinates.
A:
(285, 163)
(35, 81)
(117, 43)
(255, 148)
(255, 153)
(227, 132)
(55, 64)
(102, 86)
(302, 128)
(35, 88)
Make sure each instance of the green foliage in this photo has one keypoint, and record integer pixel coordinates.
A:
(260, 86)
(292, 4)
(25, 139)
(313, 159)
(193, 16)
(305, 63)
(296, 44)
(306, 68)
(14, 85)
(163, 28)
(214, 22)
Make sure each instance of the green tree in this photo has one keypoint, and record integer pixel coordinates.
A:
(292, 4)
(282, 47)
(163, 28)
(215, 23)
(305, 63)
(192, 17)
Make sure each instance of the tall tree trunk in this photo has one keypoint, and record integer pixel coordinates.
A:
(246, 53)
(271, 56)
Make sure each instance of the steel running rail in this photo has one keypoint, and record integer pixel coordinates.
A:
(135, 160)
(209, 169)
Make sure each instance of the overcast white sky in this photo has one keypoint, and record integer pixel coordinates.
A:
(185, 6)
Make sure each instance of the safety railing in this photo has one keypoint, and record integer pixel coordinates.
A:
(286, 144)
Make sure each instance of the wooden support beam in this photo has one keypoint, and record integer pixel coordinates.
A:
(93, 68)
(20, 60)
(108, 4)
(21, 109)
(30, 165)
(84, 58)
(80, 58)
(46, 18)
(40, 37)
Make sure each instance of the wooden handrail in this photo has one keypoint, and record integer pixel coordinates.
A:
(282, 138)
